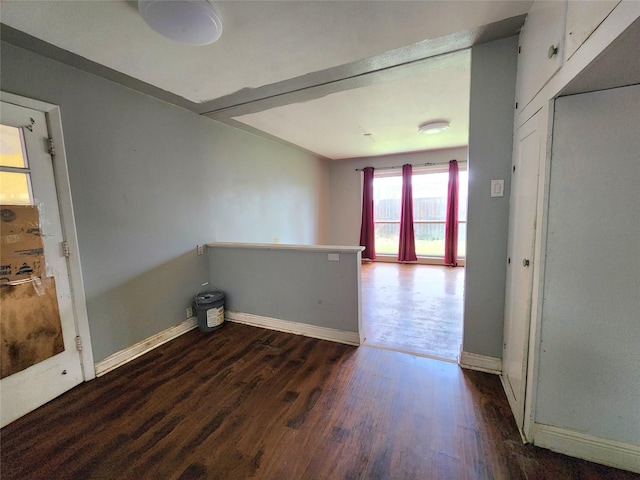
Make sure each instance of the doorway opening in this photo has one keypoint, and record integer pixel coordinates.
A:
(415, 308)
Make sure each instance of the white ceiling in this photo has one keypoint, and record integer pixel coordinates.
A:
(271, 51)
(379, 119)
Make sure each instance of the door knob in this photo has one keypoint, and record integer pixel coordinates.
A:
(525, 262)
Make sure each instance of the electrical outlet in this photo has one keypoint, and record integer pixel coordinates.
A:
(189, 312)
(276, 240)
(200, 249)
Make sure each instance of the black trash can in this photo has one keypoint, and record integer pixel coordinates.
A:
(209, 308)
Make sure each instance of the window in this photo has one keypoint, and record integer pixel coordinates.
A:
(15, 180)
(429, 211)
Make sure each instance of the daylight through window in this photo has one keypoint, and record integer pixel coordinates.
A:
(429, 212)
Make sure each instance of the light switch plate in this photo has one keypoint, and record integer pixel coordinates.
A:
(497, 188)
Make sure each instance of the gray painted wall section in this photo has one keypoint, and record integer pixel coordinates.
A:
(150, 181)
(493, 77)
(294, 285)
(588, 378)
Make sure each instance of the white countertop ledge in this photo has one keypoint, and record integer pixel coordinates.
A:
(284, 246)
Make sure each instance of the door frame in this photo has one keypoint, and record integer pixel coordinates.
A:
(63, 190)
(545, 126)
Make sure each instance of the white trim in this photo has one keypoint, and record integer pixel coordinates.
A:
(437, 261)
(134, 351)
(287, 246)
(481, 363)
(359, 286)
(67, 218)
(26, 102)
(545, 124)
(588, 447)
(323, 333)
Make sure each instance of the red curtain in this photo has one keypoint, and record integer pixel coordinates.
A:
(407, 247)
(367, 229)
(451, 224)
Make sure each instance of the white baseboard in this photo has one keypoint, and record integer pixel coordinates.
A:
(421, 260)
(594, 449)
(134, 351)
(323, 333)
(482, 363)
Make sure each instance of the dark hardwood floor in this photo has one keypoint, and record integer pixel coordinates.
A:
(243, 402)
(413, 308)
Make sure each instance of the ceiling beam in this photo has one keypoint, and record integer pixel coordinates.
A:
(381, 68)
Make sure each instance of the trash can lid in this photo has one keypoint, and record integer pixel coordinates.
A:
(209, 297)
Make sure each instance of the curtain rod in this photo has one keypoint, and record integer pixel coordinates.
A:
(430, 164)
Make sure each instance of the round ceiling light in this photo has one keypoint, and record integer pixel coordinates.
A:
(430, 128)
(193, 22)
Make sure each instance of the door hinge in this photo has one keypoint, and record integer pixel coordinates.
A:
(65, 249)
(51, 147)
(79, 343)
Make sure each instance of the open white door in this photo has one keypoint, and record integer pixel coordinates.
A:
(30, 176)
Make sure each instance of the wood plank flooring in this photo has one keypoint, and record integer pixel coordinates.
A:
(243, 403)
(413, 308)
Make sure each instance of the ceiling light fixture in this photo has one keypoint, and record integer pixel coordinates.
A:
(193, 22)
(430, 128)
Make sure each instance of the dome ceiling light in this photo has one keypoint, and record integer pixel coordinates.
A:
(193, 22)
(431, 128)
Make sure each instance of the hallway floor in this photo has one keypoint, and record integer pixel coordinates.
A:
(243, 402)
(413, 308)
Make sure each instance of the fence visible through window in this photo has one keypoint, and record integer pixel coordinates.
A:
(429, 213)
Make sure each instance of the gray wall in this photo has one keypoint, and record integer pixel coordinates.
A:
(296, 285)
(588, 377)
(493, 77)
(150, 181)
(345, 185)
